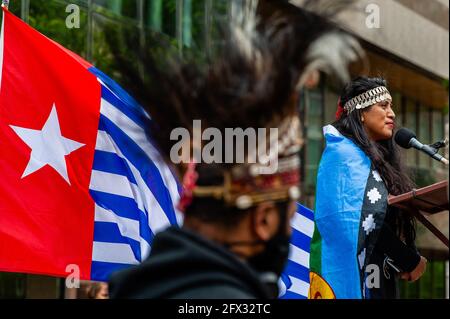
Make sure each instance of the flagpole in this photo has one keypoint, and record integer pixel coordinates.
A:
(5, 4)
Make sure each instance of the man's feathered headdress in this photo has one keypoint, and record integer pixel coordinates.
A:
(266, 51)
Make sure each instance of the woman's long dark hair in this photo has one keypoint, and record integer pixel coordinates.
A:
(385, 155)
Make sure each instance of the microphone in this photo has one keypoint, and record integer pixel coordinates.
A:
(407, 139)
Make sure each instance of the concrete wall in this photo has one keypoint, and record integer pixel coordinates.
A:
(408, 29)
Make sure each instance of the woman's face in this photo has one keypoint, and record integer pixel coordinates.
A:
(379, 121)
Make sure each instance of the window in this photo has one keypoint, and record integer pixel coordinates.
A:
(437, 131)
(410, 121)
(397, 103)
(153, 13)
(12, 286)
(331, 102)
(312, 150)
(430, 286)
(127, 8)
(424, 135)
(49, 17)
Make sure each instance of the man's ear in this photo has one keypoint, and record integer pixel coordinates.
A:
(265, 221)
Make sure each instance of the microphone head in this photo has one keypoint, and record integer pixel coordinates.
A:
(403, 137)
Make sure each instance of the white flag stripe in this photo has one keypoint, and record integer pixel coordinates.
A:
(180, 216)
(281, 288)
(104, 143)
(111, 183)
(128, 227)
(118, 97)
(118, 185)
(303, 225)
(135, 132)
(299, 256)
(157, 219)
(138, 135)
(167, 175)
(299, 286)
(113, 253)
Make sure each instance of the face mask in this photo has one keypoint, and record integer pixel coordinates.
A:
(274, 257)
(272, 260)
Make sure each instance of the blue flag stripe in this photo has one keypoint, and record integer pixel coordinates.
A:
(110, 233)
(108, 96)
(148, 170)
(106, 143)
(140, 193)
(132, 186)
(300, 240)
(124, 207)
(296, 270)
(139, 136)
(293, 295)
(122, 100)
(102, 270)
(308, 213)
(112, 163)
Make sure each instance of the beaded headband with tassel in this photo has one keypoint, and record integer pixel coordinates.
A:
(368, 98)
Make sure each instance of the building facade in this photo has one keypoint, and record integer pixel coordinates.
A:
(407, 43)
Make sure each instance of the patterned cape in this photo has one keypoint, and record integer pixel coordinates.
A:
(351, 204)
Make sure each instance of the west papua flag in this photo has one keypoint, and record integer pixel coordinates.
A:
(81, 185)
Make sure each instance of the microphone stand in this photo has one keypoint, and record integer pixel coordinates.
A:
(436, 146)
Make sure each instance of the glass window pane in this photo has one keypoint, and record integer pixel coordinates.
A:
(314, 152)
(399, 102)
(126, 8)
(169, 18)
(331, 100)
(410, 122)
(397, 105)
(102, 56)
(314, 138)
(423, 135)
(12, 285)
(198, 24)
(186, 23)
(437, 131)
(154, 14)
(49, 17)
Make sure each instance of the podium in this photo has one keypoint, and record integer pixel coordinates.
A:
(425, 201)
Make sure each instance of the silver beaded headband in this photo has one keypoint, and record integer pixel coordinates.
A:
(367, 98)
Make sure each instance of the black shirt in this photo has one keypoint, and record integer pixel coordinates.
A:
(392, 256)
(184, 265)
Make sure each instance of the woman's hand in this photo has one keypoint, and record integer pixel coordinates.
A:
(404, 276)
(417, 272)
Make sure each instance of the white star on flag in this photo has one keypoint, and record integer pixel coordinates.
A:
(361, 258)
(47, 145)
(376, 176)
(369, 224)
(374, 195)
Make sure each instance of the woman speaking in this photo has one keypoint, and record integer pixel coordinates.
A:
(361, 246)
